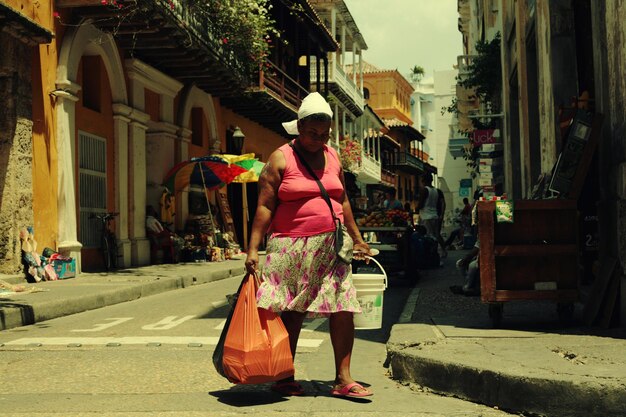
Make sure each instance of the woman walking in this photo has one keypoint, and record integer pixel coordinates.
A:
(302, 274)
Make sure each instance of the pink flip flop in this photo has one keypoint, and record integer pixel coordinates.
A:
(347, 391)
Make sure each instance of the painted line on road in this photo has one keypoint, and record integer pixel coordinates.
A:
(134, 340)
(308, 327)
(101, 326)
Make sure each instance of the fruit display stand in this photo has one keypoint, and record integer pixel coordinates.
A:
(390, 238)
(392, 253)
(533, 258)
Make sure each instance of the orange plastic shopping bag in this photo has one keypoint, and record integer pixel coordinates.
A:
(256, 346)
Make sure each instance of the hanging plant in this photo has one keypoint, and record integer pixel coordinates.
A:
(244, 28)
(350, 152)
(485, 74)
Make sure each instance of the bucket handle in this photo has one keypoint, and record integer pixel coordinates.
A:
(380, 266)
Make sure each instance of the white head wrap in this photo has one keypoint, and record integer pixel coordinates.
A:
(314, 103)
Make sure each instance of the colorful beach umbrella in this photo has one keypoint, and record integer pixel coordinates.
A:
(247, 161)
(253, 171)
(210, 172)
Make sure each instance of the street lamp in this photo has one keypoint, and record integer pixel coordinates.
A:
(237, 140)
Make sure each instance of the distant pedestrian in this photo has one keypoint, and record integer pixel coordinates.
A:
(391, 202)
(431, 206)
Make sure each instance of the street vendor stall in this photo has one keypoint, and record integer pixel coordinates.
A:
(205, 237)
(530, 249)
(389, 232)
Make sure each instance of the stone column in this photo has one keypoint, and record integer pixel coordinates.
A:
(182, 196)
(161, 153)
(121, 123)
(140, 246)
(66, 97)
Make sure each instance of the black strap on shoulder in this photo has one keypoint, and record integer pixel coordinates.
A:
(319, 183)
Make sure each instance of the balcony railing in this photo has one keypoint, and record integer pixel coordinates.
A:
(405, 161)
(199, 26)
(419, 154)
(388, 178)
(457, 146)
(337, 75)
(151, 29)
(282, 86)
(369, 170)
(463, 63)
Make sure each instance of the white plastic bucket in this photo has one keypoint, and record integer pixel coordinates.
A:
(369, 292)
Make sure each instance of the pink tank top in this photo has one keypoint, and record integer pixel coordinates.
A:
(301, 209)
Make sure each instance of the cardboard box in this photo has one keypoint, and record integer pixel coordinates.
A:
(491, 154)
(486, 182)
(491, 147)
(491, 161)
(488, 175)
(489, 168)
(64, 269)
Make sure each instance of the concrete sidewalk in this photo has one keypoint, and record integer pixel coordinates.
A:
(89, 291)
(533, 364)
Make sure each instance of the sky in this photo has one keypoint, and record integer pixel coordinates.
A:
(403, 33)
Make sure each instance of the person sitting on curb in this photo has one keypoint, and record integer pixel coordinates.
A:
(160, 237)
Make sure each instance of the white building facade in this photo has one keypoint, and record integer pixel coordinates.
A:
(440, 129)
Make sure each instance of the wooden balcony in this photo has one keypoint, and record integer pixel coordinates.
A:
(369, 170)
(274, 100)
(404, 161)
(168, 36)
(341, 85)
(388, 178)
(165, 35)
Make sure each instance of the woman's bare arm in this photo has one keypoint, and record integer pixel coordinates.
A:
(348, 220)
(269, 181)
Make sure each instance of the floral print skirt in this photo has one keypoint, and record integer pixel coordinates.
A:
(304, 274)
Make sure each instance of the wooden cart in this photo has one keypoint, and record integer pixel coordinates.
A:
(534, 258)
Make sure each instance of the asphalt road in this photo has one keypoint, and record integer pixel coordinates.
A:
(152, 357)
